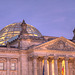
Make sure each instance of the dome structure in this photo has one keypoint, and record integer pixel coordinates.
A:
(13, 30)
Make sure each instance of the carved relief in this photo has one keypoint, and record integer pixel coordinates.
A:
(14, 60)
(2, 60)
(60, 45)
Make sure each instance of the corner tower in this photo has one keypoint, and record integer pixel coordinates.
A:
(74, 34)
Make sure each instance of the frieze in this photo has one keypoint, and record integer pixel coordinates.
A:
(51, 54)
(9, 51)
(61, 55)
(70, 55)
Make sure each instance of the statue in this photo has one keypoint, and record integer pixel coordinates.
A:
(24, 28)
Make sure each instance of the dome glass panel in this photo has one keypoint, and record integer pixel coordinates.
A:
(13, 30)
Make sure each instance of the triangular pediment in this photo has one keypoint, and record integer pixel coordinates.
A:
(60, 43)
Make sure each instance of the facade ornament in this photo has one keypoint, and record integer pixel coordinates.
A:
(45, 57)
(66, 58)
(60, 45)
(50, 59)
(35, 56)
(24, 28)
(55, 57)
(40, 58)
(2, 59)
(60, 59)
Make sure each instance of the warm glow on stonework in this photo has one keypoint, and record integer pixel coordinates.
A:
(48, 67)
(52, 67)
(63, 65)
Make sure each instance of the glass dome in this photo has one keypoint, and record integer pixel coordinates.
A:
(13, 30)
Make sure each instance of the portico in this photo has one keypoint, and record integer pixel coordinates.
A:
(51, 65)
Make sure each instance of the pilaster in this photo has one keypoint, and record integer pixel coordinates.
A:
(8, 66)
(19, 66)
(30, 66)
(24, 64)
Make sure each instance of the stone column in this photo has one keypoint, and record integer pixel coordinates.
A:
(45, 66)
(60, 66)
(35, 65)
(71, 68)
(55, 66)
(40, 67)
(50, 66)
(8, 66)
(66, 66)
(30, 66)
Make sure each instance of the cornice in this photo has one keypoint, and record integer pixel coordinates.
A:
(54, 41)
(8, 50)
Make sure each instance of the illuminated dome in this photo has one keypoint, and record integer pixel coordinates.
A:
(13, 30)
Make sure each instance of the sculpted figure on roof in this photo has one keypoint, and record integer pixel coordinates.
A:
(24, 27)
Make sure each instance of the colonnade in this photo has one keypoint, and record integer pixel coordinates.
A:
(38, 70)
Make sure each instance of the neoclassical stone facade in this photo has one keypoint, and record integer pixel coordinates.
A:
(32, 55)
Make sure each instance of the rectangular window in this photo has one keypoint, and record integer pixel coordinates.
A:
(13, 66)
(1, 66)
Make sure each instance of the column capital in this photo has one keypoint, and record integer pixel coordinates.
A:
(55, 57)
(40, 58)
(45, 57)
(66, 58)
(30, 58)
(35, 56)
(60, 60)
(50, 59)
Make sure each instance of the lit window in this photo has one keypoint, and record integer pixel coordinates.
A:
(13, 66)
(1, 66)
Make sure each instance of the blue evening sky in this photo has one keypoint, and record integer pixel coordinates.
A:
(50, 17)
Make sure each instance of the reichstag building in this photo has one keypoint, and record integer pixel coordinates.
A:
(25, 51)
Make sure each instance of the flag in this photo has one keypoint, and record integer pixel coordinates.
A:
(43, 70)
(63, 70)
